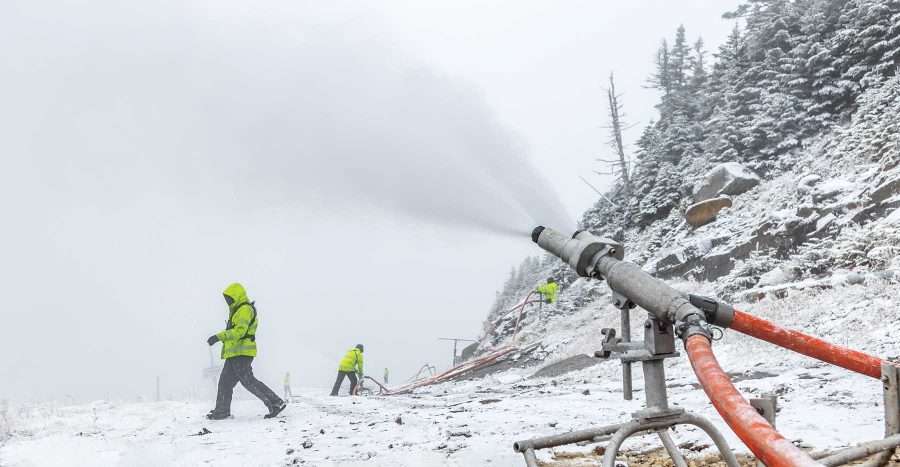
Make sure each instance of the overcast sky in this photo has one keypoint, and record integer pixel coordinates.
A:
(368, 172)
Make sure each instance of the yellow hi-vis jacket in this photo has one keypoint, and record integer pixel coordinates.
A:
(353, 361)
(239, 337)
(549, 290)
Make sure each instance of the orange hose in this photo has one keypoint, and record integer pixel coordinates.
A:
(767, 444)
(521, 307)
(805, 344)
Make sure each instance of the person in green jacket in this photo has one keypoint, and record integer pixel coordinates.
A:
(238, 349)
(350, 366)
(549, 291)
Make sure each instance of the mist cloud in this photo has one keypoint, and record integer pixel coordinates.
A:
(156, 152)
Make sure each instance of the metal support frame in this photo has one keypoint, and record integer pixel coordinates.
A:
(656, 416)
(672, 312)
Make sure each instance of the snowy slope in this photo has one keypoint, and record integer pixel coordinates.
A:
(475, 422)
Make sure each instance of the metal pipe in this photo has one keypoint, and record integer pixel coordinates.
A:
(714, 434)
(596, 257)
(764, 441)
(646, 291)
(628, 429)
(627, 392)
(890, 376)
(805, 344)
(635, 426)
(671, 448)
(530, 458)
(861, 451)
(565, 438)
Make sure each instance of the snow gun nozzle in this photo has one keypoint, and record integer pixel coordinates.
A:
(582, 250)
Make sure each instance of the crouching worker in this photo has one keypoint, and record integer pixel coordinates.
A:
(238, 349)
(351, 366)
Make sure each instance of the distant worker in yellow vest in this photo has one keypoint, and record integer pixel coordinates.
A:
(350, 366)
(549, 291)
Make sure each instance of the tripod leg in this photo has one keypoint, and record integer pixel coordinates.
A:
(671, 448)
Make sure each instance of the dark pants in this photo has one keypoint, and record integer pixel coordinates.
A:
(340, 379)
(238, 369)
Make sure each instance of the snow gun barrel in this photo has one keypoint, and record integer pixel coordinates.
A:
(602, 258)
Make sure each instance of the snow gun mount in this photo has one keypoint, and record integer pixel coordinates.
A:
(692, 318)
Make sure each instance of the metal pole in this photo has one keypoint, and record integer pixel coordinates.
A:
(565, 438)
(655, 385)
(890, 376)
(671, 448)
(455, 341)
(861, 452)
(626, 366)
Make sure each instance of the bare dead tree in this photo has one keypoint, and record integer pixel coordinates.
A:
(621, 166)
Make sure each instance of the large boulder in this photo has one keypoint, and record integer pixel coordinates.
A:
(729, 178)
(704, 212)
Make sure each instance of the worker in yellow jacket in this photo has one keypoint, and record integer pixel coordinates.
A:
(549, 291)
(238, 350)
(350, 366)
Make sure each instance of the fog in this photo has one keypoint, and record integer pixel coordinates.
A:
(153, 153)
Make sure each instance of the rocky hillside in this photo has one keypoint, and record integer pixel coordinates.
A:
(775, 169)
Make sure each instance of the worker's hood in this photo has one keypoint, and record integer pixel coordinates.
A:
(237, 293)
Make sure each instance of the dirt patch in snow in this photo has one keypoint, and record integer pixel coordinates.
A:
(655, 458)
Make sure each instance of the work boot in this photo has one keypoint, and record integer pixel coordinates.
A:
(213, 415)
(276, 409)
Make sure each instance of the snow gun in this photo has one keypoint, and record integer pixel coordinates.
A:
(693, 319)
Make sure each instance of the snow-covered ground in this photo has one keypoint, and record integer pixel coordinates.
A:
(475, 422)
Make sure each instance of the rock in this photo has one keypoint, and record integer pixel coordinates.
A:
(855, 278)
(876, 211)
(781, 275)
(704, 212)
(289, 451)
(307, 444)
(469, 351)
(682, 261)
(729, 178)
(806, 184)
(575, 363)
(489, 401)
(586, 392)
(398, 420)
(822, 225)
(807, 211)
(885, 190)
(831, 189)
